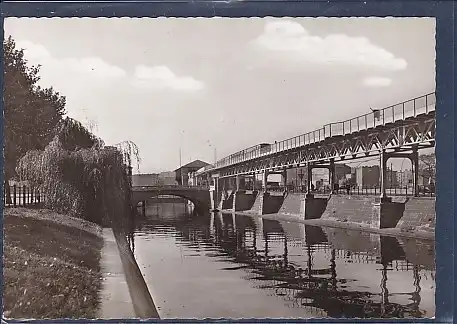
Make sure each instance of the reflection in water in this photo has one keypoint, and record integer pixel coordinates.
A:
(317, 271)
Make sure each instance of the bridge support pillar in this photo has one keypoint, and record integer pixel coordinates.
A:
(264, 180)
(310, 178)
(383, 166)
(415, 163)
(284, 179)
(240, 182)
(332, 175)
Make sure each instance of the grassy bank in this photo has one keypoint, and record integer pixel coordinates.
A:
(51, 265)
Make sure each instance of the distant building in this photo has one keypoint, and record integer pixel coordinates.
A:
(341, 172)
(195, 180)
(391, 179)
(167, 178)
(143, 180)
(182, 174)
(299, 176)
(405, 178)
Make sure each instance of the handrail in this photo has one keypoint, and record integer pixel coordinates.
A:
(378, 117)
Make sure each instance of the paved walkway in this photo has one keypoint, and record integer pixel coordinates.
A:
(114, 297)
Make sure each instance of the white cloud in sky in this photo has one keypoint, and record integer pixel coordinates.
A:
(290, 38)
(87, 66)
(161, 77)
(32, 51)
(377, 82)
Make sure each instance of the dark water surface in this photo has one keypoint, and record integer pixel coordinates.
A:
(244, 267)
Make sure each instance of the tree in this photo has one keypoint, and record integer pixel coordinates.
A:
(81, 176)
(427, 166)
(31, 113)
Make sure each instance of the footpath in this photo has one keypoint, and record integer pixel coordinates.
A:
(124, 292)
(115, 297)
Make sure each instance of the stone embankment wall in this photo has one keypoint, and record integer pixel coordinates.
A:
(419, 213)
(271, 203)
(243, 200)
(402, 213)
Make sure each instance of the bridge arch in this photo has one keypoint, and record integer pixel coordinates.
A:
(200, 198)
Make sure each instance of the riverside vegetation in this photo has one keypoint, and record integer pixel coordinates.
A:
(52, 254)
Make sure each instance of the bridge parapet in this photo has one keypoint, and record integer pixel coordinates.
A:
(169, 188)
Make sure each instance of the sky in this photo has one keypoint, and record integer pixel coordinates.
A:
(210, 87)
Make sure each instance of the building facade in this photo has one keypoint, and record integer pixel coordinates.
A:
(367, 176)
(144, 180)
(167, 178)
(298, 177)
(182, 174)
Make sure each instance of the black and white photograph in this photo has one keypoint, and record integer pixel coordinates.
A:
(208, 168)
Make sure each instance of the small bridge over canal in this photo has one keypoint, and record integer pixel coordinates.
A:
(198, 195)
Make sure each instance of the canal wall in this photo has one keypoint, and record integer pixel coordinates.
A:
(264, 203)
(271, 203)
(352, 209)
(294, 204)
(364, 210)
(143, 304)
(419, 214)
(257, 206)
(243, 200)
(303, 206)
(406, 214)
(315, 206)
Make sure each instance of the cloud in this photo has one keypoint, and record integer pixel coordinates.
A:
(292, 40)
(87, 67)
(377, 82)
(161, 77)
(33, 51)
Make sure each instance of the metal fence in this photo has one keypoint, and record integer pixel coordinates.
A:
(424, 191)
(22, 196)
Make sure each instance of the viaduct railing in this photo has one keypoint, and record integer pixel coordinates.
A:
(378, 117)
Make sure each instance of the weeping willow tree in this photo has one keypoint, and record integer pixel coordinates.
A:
(82, 177)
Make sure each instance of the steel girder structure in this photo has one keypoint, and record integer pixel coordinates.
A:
(401, 136)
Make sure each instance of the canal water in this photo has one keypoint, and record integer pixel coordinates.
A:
(233, 266)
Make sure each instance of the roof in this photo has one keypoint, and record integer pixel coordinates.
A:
(197, 164)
